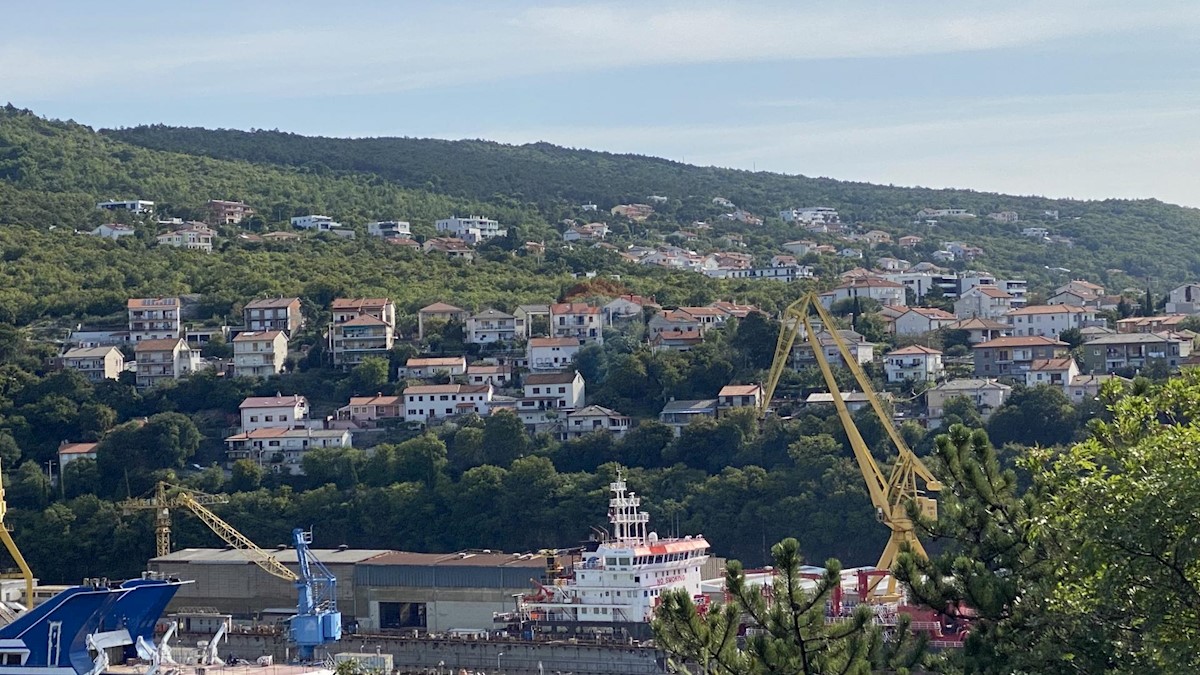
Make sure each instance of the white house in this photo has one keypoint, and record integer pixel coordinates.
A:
(274, 412)
(96, 363)
(389, 229)
(283, 449)
(315, 222)
(564, 390)
(679, 414)
(69, 452)
(739, 396)
(578, 320)
(1184, 299)
(1049, 320)
(165, 359)
(914, 363)
(368, 411)
(361, 327)
(131, 205)
(628, 306)
(471, 230)
(918, 320)
(800, 248)
(551, 353)
(983, 302)
(433, 366)
(113, 231)
(860, 349)
(492, 325)
(193, 238)
(495, 374)
(433, 401)
(811, 214)
(259, 354)
(594, 418)
(987, 395)
(153, 318)
(1058, 372)
(882, 290)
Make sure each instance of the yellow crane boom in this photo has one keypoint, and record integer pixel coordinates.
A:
(167, 497)
(11, 546)
(889, 494)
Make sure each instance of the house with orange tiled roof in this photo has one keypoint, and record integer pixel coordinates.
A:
(361, 327)
(166, 359)
(739, 396)
(551, 353)
(153, 318)
(1057, 372)
(884, 291)
(984, 301)
(915, 363)
(919, 320)
(679, 340)
(69, 452)
(1012, 357)
(1050, 320)
(578, 320)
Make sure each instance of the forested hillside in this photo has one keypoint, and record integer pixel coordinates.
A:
(1117, 242)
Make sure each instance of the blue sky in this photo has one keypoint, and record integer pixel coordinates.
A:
(1087, 99)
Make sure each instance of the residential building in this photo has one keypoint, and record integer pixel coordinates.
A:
(259, 354)
(368, 411)
(438, 401)
(785, 273)
(1039, 233)
(854, 400)
(909, 241)
(1133, 351)
(439, 311)
(403, 242)
(281, 314)
(316, 223)
(860, 349)
(164, 359)
(673, 321)
(739, 396)
(677, 340)
(563, 390)
(131, 205)
(69, 452)
(473, 230)
(984, 302)
(424, 367)
(811, 214)
(592, 419)
(1053, 372)
(890, 264)
(153, 318)
(986, 394)
(588, 232)
(527, 314)
(361, 327)
(1017, 288)
(192, 237)
(113, 231)
(851, 253)
(282, 450)
(1151, 324)
(627, 307)
(492, 326)
(723, 203)
(679, 414)
(708, 317)
(1079, 293)
(221, 212)
(551, 353)
(1013, 356)
(800, 248)
(1049, 320)
(274, 412)
(920, 320)
(451, 247)
(1004, 216)
(578, 320)
(1087, 387)
(914, 363)
(981, 330)
(634, 212)
(489, 373)
(945, 213)
(390, 229)
(95, 363)
(1184, 299)
(884, 291)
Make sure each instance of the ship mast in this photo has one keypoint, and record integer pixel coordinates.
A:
(629, 524)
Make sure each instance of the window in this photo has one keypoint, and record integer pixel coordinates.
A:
(269, 418)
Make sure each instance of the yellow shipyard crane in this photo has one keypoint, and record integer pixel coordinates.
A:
(891, 493)
(6, 536)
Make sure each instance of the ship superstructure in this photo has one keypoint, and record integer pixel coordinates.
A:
(617, 582)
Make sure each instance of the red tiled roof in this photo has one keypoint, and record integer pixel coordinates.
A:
(1021, 341)
(913, 349)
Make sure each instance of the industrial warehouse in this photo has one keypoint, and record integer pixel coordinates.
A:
(377, 589)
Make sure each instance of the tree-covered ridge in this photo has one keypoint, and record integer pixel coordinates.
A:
(1117, 242)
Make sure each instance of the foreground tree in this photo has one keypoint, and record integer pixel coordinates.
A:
(791, 635)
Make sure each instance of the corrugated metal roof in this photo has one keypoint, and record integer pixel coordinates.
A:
(221, 556)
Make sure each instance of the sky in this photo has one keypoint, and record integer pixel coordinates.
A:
(1074, 98)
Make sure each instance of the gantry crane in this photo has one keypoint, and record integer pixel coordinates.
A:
(6, 536)
(166, 497)
(890, 494)
(317, 621)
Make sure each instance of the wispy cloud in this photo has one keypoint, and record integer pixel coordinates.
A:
(392, 48)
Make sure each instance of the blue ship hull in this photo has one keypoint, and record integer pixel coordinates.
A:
(52, 638)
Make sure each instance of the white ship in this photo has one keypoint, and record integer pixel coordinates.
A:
(616, 583)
